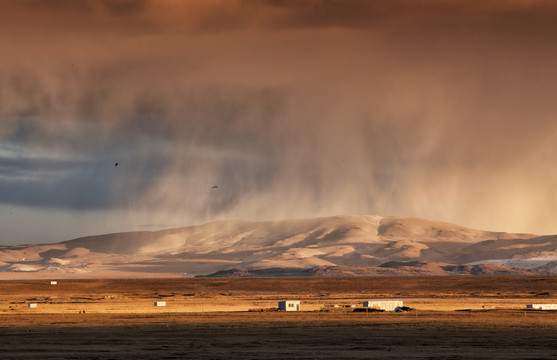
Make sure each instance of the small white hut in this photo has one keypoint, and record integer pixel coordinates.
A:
(542, 306)
(160, 303)
(32, 305)
(289, 305)
(53, 282)
(387, 305)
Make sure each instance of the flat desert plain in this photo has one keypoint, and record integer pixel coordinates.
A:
(453, 318)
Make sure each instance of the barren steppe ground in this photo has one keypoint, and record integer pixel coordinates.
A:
(454, 318)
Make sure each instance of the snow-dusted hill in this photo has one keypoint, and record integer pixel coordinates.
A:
(396, 246)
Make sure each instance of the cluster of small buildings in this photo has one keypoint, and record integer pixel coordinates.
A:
(381, 305)
(384, 305)
(387, 305)
(542, 306)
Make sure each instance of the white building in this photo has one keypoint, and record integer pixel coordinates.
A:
(542, 306)
(289, 305)
(160, 303)
(32, 306)
(387, 305)
(53, 282)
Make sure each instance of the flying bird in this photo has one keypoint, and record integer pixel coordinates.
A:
(215, 187)
(115, 164)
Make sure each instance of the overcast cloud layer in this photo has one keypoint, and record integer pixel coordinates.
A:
(438, 109)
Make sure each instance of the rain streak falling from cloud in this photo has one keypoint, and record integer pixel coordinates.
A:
(434, 109)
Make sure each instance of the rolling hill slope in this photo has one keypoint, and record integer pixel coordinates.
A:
(331, 246)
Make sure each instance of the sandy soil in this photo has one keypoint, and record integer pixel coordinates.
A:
(458, 318)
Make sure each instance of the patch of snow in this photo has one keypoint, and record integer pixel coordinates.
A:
(25, 267)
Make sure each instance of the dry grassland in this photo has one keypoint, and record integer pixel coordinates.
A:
(208, 319)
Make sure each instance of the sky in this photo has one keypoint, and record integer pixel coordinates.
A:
(268, 110)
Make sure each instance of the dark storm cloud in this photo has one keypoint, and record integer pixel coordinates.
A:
(334, 13)
(75, 179)
(238, 14)
(125, 7)
(148, 135)
(439, 109)
(144, 17)
(114, 7)
(363, 14)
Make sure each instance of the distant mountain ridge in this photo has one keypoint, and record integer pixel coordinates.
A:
(330, 246)
(399, 268)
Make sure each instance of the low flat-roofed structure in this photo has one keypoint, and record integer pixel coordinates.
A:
(32, 306)
(542, 306)
(289, 305)
(160, 303)
(387, 305)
